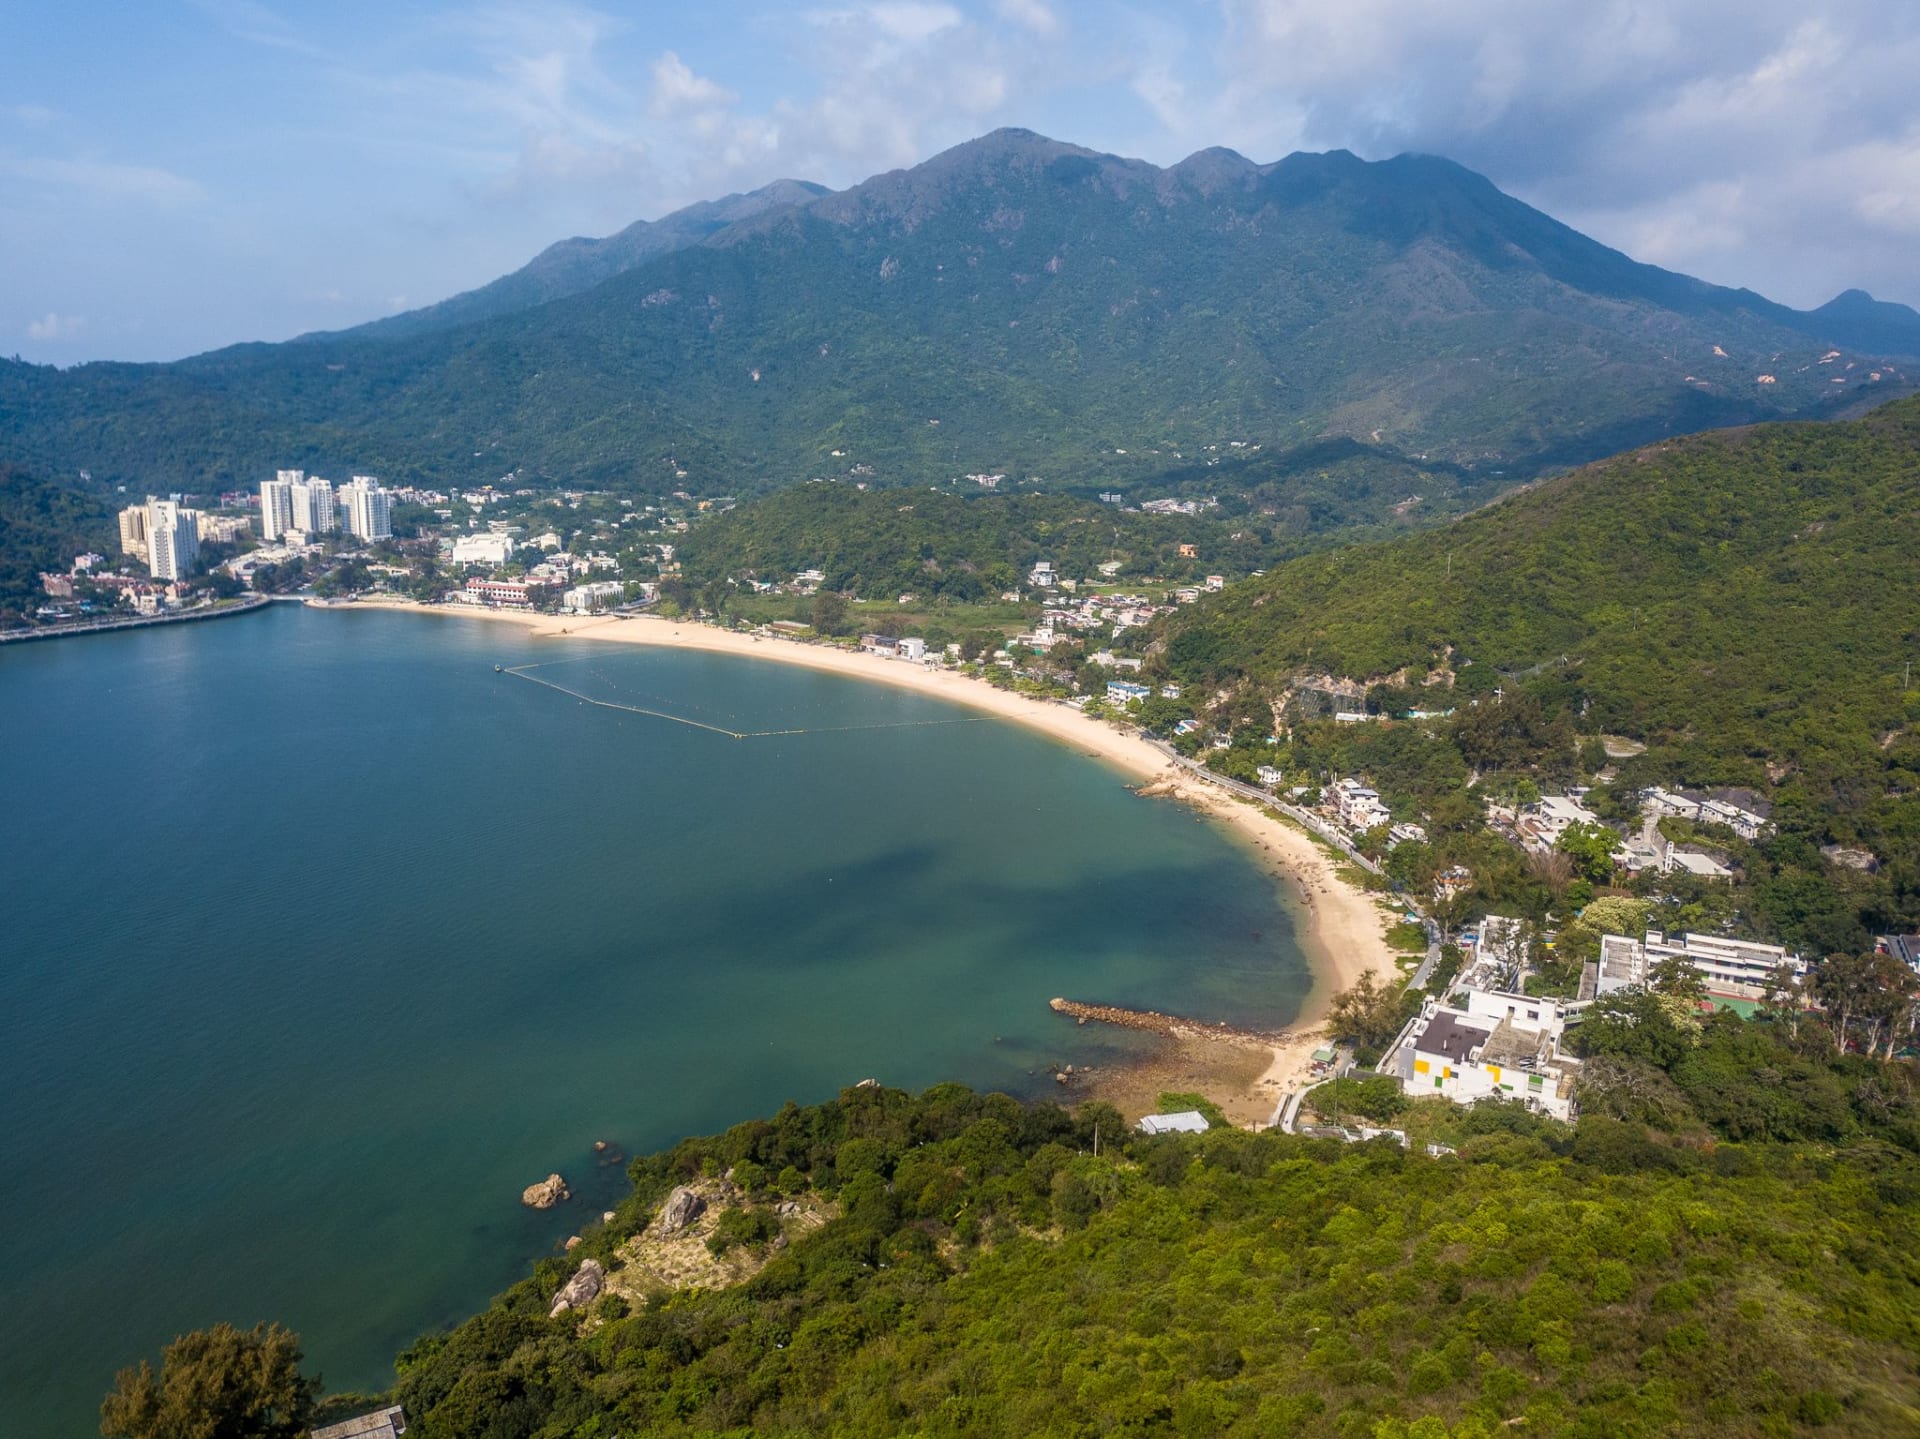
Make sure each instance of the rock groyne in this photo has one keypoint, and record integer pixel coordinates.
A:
(1152, 1022)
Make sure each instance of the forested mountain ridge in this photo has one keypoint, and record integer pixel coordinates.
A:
(569, 266)
(1731, 590)
(1012, 305)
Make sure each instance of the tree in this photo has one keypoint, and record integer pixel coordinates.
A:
(1591, 847)
(1854, 986)
(829, 613)
(1369, 1012)
(218, 1383)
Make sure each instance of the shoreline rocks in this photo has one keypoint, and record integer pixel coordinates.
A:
(547, 1193)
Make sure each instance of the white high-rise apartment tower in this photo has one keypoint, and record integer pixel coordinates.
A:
(313, 512)
(276, 505)
(369, 508)
(173, 540)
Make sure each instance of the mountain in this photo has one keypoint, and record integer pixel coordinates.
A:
(570, 266)
(1021, 305)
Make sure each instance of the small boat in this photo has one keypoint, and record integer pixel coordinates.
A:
(497, 670)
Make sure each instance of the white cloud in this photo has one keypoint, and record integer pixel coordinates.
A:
(1751, 141)
(55, 327)
(676, 88)
(913, 21)
(1033, 14)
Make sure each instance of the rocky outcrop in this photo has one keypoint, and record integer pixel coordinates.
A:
(683, 1206)
(581, 1290)
(547, 1193)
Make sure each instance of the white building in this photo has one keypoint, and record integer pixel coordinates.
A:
(912, 647)
(313, 509)
(276, 505)
(1738, 967)
(1498, 1045)
(1358, 806)
(1187, 1121)
(1269, 776)
(173, 541)
(369, 509)
(1740, 810)
(1499, 954)
(488, 549)
(1125, 692)
(133, 532)
(1042, 574)
(595, 595)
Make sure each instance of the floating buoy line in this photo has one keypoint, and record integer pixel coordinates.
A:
(523, 672)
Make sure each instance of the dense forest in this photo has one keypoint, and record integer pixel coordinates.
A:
(877, 543)
(1700, 1255)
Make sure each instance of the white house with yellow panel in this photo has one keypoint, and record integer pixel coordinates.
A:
(1497, 1046)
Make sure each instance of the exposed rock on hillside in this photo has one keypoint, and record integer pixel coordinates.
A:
(683, 1206)
(581, 1290)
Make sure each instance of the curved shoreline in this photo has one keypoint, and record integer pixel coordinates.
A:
(1344, 933)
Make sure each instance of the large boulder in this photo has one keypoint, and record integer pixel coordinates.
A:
(683, 1206)
(581, 1290)
(547, 1193)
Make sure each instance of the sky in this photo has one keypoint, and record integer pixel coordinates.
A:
(178, 175)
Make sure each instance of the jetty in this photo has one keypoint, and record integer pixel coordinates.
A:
(1172, 1026)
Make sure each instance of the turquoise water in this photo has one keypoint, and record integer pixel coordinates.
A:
(319, 939)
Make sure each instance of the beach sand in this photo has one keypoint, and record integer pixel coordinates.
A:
(1343, 929)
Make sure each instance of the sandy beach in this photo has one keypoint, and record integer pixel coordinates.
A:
(1343, 928)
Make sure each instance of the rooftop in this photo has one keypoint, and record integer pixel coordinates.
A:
(1187, 1121)
(1446, 1036)
(381, 1424)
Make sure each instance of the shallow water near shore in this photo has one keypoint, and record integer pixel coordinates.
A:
(320, 938)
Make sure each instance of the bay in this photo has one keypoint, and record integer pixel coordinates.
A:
(320, 939)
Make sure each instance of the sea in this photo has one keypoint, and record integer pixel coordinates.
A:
(325, 932)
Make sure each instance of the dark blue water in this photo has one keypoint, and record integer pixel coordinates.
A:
(319, 939)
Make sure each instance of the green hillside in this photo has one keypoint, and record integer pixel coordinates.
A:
(1013, 305)
(1736, 593)
(1740, 603)
(958, 546)
(42, 527)
(981, 1271)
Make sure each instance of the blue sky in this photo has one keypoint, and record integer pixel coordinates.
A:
(178, 176)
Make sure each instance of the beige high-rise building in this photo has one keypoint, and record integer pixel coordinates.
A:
(133, 532)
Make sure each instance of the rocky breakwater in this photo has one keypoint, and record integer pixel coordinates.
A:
(1171, 1026)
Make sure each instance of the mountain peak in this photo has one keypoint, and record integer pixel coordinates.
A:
(1854, 318)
